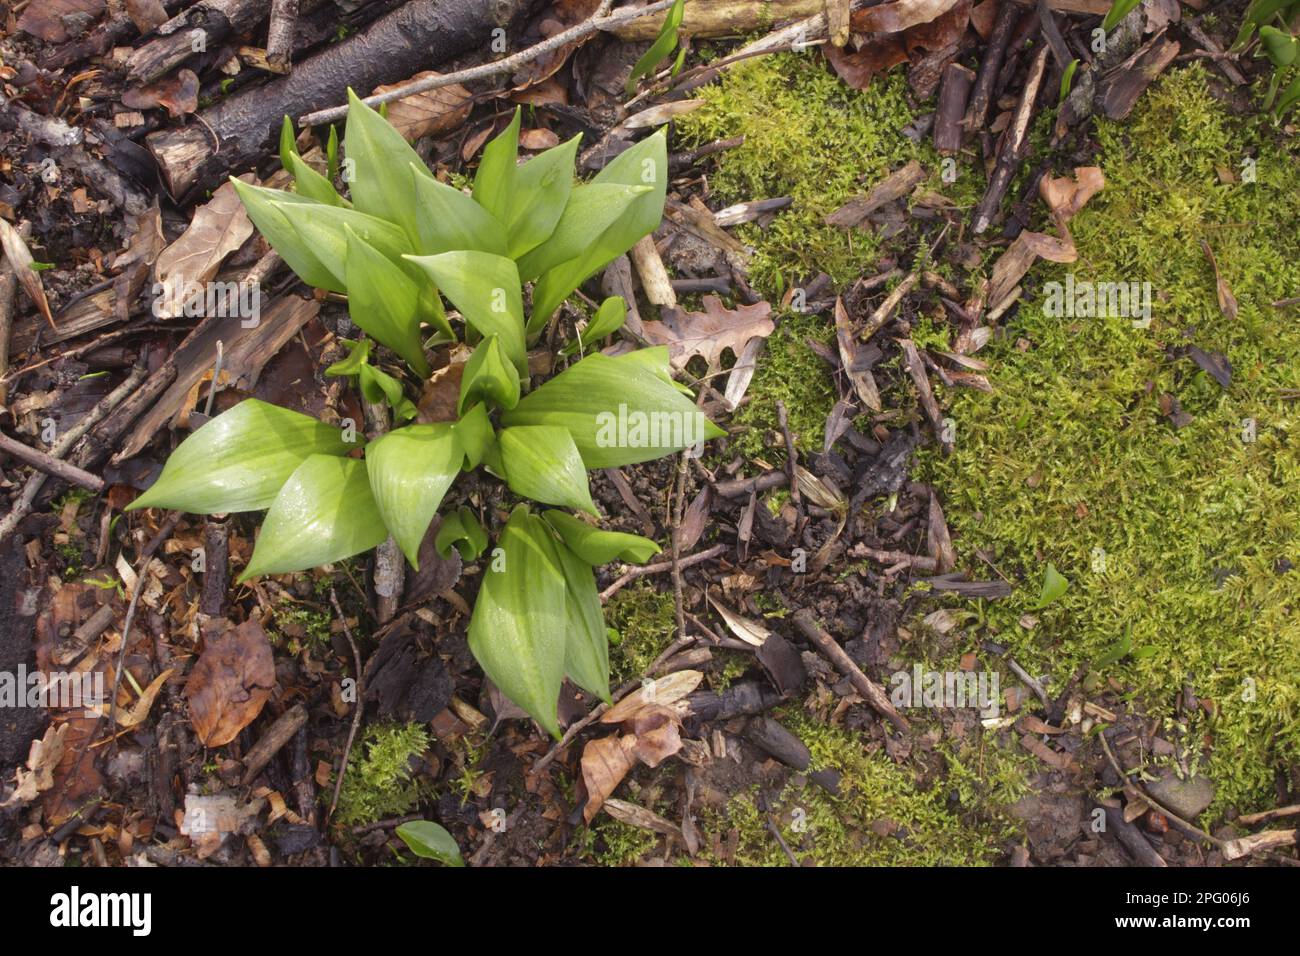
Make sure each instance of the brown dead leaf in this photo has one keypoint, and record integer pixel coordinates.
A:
(560, 16)
(941, 33)
(605, 762)
(433, 111)
(538, 139)
(853, 359)
(1227, 301)
(858, 67)
(708, 333)
(230, 683)
(655, 729)
(938, 540)
(751, 632)
(1066, 195)
(897, 16)
(639, 816)
(178, 94)
(146, 14)
(21, 261)
(42, 759)
(1021, 255)
(662, 691)
(55, 21)
(219, 228)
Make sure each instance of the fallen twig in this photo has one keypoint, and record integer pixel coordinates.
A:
(602, 20)
(50, 465)
(23, 506)
(356, 715)
(642, 570)
(873, 693)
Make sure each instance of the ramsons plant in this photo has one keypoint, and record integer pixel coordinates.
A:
(397, 246)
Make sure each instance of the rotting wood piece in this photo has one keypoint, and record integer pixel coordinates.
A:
(416, 36)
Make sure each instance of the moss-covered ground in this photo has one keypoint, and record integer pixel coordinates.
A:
(1178, 541)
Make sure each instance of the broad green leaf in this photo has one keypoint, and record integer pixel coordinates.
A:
(597, 546)
(475, 434)
(240, 459)
(1281, 47)
(447, 220)
(660, 49)
(1261, 11)
(323, 513)
(307, 182)
(462, 530)
(488, 376)
(586, 647)
(1054, 585)
(430, 841)
(542, 463)
(517, 632)
(485, 288)
(494, 183)
(381, 161)
(323, 230)
(618, 411)
(541, 190)
(383, 302)
(264, 208)
(410, 471)
(592, 208)
(645, 164)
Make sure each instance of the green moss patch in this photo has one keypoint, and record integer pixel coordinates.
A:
(807, 136)
(1180, 538)
(790, 372)
(882, 816)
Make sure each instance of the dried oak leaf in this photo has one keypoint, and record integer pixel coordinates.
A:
(605, 762)
(230, 683)
(656, 731)
(943, 32)
(1066, 195)
(897, 16)
(21, 261)
(177, 94)
(55, 21)
(219, 228)
(708, 333)
(146, 14)
(875, 56)
(660, 692)
(433, 111)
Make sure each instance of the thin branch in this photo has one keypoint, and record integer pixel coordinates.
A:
(356, 716)
(602, 20)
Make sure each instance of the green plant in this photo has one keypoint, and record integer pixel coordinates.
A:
(400, 243)
(379, 783)
(431, 841)
(1277, 43)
